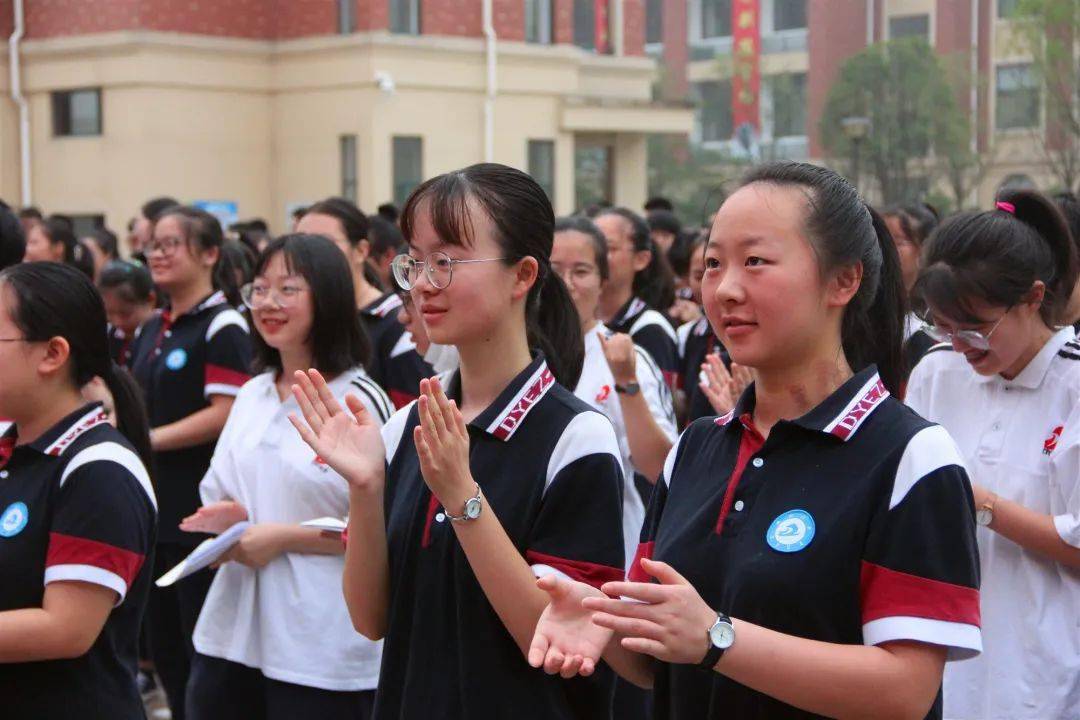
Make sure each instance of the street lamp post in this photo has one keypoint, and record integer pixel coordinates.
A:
(856, 128)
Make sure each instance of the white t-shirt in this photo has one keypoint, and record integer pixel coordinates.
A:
(597, 388)
(288, 619)
(1020, 439)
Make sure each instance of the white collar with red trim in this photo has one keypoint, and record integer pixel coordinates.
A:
(506, 415)
(84, 421)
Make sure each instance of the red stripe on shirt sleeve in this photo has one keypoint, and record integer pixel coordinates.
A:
(71, 550)
(400, 398)
(891, 593)
(672, 378)
(580, 570)
(637, 573)
(218, 375)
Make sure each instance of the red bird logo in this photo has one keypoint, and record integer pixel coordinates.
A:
(604, 394)
(1051, 442)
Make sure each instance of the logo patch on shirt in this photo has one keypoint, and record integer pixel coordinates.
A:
(791, 531)
(1050, 445)
(14, 519)
(176, 360)
(604, 394)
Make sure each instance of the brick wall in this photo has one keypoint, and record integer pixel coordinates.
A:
(634, 27)
(831, 41)
(449, 17)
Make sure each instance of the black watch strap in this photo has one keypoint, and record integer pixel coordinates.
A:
(631, 388)
(711, 658)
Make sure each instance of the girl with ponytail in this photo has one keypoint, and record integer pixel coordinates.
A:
(497, 474)
(780, 536)
(1005, 382)
(77, 510)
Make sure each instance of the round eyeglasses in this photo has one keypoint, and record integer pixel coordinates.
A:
(438, 267)
(255, 295)
(972, 338)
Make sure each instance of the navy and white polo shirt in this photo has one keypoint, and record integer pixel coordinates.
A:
(549, 468)
(652, 331)
(853, 524)
(180, 363)
(696, 341)
(120, 346)
(395, 364)
(76, 505)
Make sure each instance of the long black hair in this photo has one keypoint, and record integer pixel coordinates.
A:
(997, 255)
(655, 283)
(524, 222)
(58, 232)
(355, 225)
(203, 231)
(338, 343)
(131, 281)
(55, 300)
(844, 231)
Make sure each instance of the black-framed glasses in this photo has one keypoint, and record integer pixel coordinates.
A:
(438, 267)
(972, 338)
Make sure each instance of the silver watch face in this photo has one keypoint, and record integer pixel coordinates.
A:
(984, 516)
(472, 508)
(722, 635)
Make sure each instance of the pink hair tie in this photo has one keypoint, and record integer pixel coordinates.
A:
(1007, 207)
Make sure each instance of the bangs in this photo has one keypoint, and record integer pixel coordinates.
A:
(446, 200)
(287, 247)
(950, 290)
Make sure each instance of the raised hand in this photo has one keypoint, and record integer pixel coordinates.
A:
(742, 376)
(349, 441)
(215, 518)
(670, 623)
(566, 640)
(442, 445)
(621, 357)
(718, 386)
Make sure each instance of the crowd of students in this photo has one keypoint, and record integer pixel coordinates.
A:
(812, 459)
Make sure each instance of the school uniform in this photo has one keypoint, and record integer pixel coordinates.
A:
(120, 346)
(697, 341)
(286, 622)
(597, 388)
(76, 505)
(852, 524)
(1020, 439)
(395, 364)
(180, 363)
(653, 332)
(549, 468)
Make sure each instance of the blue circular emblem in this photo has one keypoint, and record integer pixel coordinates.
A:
(176, 359)
(791, 532)
(14, 519)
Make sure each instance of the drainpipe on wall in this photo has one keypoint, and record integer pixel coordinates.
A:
(489, 101)
(869, 22)
(24, 107)
(975, 76)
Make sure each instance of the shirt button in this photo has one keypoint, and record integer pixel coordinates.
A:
(3, 474)
(739, 505)
(158, 351)
(168, 333)
(758, 462)
(997, 426)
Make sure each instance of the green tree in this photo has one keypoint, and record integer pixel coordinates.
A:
(1047, 31)
(903, 87)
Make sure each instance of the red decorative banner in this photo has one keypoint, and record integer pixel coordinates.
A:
(746, 56)
(601, 27)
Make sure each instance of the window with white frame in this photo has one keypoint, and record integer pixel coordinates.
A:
(1016, 97)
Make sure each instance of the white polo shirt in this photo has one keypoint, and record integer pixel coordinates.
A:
(597, 388)
(1020, 439)
(288, 619)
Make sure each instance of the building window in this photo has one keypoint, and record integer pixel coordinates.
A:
(903, 26)
(542, 165)
(715, 18)
(714, 111)
(347, 153)
(1007, 8)
(76, 112)
(592, 20)
(1017, 97)
(408, 166)
(538, 21)
(654, 21)
(346, 16)
(789, 105)
(405, 17)
(789, 15)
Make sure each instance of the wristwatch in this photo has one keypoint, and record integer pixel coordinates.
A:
(721, 636)
(985, 514)
(473, 506)
(630, 389)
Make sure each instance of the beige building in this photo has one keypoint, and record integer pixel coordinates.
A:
(119, 116)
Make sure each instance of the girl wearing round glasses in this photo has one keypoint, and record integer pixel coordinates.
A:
(273, 639)
(478, 487)
(1005, 383)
